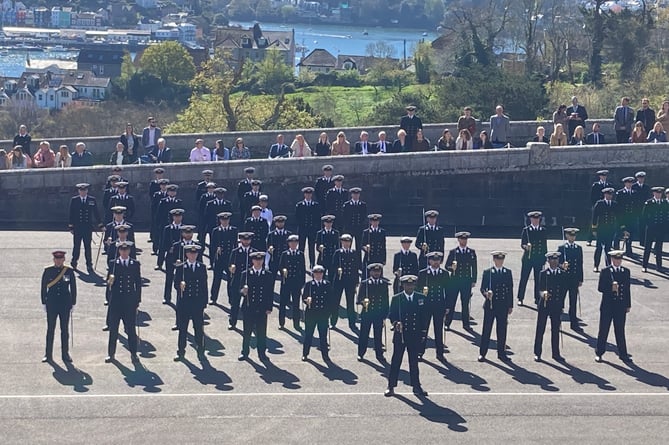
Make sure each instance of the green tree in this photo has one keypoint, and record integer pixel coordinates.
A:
(273, 72)
(168, 61)
(422, 59)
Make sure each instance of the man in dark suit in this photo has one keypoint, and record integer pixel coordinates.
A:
(434, 283)
(373, 241)
(534, 245)
(319, 299)
(279, 150)
(628, 202)
(323, 184)
(373, 297)
(151, 136)
(430, 237)
(577, 115)
(222, 240)
(354, 214)
(190, 282)
(345, 276)
(84, 216)
(239, 262)
(363, 146)
(292, 269)
(80, 156)
(335, 199)
(308, 215)
(257, 290)
(407, 316)
(572, 264)
(461, 261)
(327, 240)
(161, 153)
(623, 121)
(251, 198)
(202, 222)
(654, 221)
(23, 139)
(59, 295)
(277, 243)
(382, 145)
(595, 138)
(614, 285)
(553, 289)
(167, 204)
(411, 124)
(243, 187)
(122, 198)
(405, 262)
(213, 208)
(645, 115)
(201, 189)
(124, 280)
(604, 225)
(596, 193)
(497, 289)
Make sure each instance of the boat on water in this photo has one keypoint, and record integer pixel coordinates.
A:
(26, 47)
(57, 49)
(365, 33)
(4, 52)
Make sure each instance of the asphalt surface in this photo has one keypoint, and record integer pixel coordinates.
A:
(221, 400)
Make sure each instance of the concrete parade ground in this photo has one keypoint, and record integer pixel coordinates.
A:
(221, 400)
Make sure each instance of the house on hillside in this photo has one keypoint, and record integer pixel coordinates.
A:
(239, 44)
(322, 61)
(102, 62)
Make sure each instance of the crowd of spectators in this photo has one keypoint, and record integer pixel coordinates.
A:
(570, 127)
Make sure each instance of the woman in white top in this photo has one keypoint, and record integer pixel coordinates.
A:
(119, 156)
(299, 147)
(464, 140)
(63, 158)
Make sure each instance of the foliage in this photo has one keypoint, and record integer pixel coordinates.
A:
(169, 62)
(422, 59)
(269, 75)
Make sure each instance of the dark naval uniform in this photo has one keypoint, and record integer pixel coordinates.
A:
(111, 235)
(321, 187)
(213, 208)
(170, 234)
(434, 285)
(125, 294)
(257, 303)
(553, 288)
(605, 224)
(463, 278)
(175, 254)
(405, 262)
(572, 254)
(278, 239)
(59, 295)
(124, 200)
(329, 240)
(166, 205)
(241, 260)
(627, 217)
(308, 216)
(319, 300)
(348, 261)
(249, 199)
(533, 259)
(292, 268)
(222, 242)
(375, 238)
(84, 215)
(260, 231)
(334, 204)
(613, 308)
(496, 307)
(433, 236)
(203, 224)
(410, 311)
(374, 299)
(595, 195)
(191, 302)
(354, 214)
(654, 221)
(156, 225)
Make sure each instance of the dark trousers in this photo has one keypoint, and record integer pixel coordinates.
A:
(526, 268)
(155, 236)
(435, 313)
(656, 236)
(500, 316)
(618, 317)
(255, 322)
(349, 290)
(290, 296)
(85, 235)
(310, 324)
(605, 243)
(622, 136)
(308, 239)
(464, 290)
(630, 227)
(129, 316)
(572, 292)
(542, 318)
(234, 299)
(169, 281)
(216, 280)
(368, 322)
(185, 314)
(53, 314)
(412, 347)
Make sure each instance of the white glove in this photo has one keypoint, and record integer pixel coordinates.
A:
(44, 306)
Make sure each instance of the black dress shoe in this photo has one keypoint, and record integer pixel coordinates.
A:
(598, 358)
(175, 328)
(520, 302)
(66, 358)
(381, 359)
(626, 358)
(360, 358)
(47, 359)
(481, 358)
(106, 303)
(166, 301)
(134, 358)
(109, 359)
(105, 328)
(179, 357)
(304, 358)
(503, 357)
(419, 391)
(231, 326)
(389, 392)
(537, 358)
(558, 358)
(242, 357)
(212, 302)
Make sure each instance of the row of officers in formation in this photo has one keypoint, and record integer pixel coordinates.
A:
(252, 259)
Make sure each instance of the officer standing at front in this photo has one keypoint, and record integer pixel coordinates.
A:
(190, 282)
(84, 216)
(318, 298)
(239, 262)
(461, 262)
(292, 269)
(345, 276)
(654, 220)
(373, 297)
(604, 225)
(257, 290)
(497, 291)
(124, 280)
(572, 265)
(222, 240)
(435, 284)
(58, 295)
(405, 262)
(553, 288)
(407, 316)
(308, 215)
(374, 241)
(430, 237)
(534, 244)
(614, 285)
(596, 193)
(327, 240)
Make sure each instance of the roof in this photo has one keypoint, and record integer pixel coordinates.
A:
(231, 37)
(82, 78)
(319, 57)
(104, 56)
(361, 63)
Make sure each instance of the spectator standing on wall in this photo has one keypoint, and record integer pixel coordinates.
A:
(81, 157)
(623, 121)
(151, 134)
(467, 122)
(23, 139)
(560, 116)
(129, 139)
(63, 157)
(45, 157)
(645, 114)
(577, 115)
(499, 128)
(200, 153)
(663, 115)
(411, 124)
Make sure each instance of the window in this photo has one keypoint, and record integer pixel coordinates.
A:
(64, 94)
(39, 97)
(51, 97)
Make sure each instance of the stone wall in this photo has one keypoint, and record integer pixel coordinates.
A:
(485, 191)
(259, 141)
